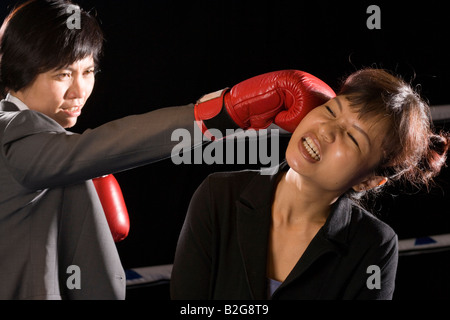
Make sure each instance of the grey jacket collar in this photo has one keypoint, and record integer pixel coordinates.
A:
(8, 106)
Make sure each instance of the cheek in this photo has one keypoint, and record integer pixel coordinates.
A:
(307, 119)
(292, 156)
(344, 163)
(91, 85)
(43, 97)
(52, 92)
(58, 91)
(354, 170)
(308, 123)
(349, 163)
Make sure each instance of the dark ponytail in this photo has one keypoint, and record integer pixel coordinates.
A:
(436, 156)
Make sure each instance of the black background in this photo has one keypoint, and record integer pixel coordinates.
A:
(167, 53)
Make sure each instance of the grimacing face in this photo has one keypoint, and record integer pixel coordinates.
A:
(336, 150)
(61, 93)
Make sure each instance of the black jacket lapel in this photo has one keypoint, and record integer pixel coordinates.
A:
(331, 238)
(253, 226)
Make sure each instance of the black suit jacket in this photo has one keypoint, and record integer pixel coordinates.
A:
(222, 249)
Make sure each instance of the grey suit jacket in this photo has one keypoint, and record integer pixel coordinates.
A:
(50, 215)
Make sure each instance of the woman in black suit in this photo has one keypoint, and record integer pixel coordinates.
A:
(299, 234)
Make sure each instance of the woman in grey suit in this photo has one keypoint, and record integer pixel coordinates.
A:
(51, 220)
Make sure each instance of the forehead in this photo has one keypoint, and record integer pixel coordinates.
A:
(86, 62)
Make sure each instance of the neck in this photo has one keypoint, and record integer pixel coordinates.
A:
(298, 202)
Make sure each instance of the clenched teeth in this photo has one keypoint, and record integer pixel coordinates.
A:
(311, 148)
(72, 109)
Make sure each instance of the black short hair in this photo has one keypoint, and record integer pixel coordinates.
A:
(36, 38)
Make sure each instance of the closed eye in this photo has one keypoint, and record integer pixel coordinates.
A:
(330, 111)
(353, 139)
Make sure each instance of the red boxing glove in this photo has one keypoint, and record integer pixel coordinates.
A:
(116, 212)
(281, 97)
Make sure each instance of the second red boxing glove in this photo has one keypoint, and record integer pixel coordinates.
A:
(113, 204)
(280, 97)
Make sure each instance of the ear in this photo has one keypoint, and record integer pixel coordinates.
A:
(370, 183)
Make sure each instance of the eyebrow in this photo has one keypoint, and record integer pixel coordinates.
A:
(339, 103)
(363, 133)
(354, 125)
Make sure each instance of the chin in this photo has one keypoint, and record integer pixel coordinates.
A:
(68, 123)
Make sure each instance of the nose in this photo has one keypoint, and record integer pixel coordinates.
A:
(78, 89)
(328, 131)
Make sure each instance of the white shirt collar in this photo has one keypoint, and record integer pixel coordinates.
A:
(16, 101)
